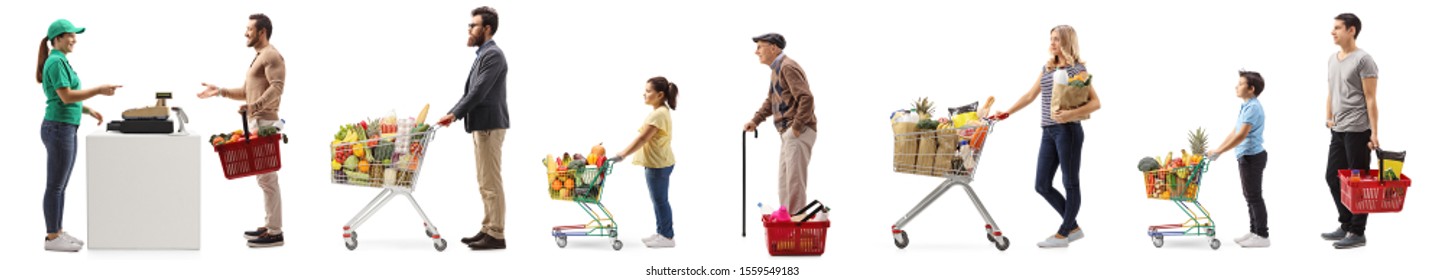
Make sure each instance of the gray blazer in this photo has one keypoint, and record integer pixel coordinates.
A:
(483, 107)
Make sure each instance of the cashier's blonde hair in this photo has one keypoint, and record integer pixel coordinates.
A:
(1067, 46)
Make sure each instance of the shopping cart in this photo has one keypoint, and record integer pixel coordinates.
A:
(1181, 186)
(399, 168)
(586, 193)
(955, 160)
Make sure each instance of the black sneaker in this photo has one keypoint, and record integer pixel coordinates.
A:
(1336, 235)
(488, 243)
(252, 235)
(1350, 242)
(267, 240)
(474, 238)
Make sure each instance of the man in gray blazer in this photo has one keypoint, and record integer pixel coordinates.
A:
(484, 109)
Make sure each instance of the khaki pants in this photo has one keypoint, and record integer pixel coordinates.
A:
(270, 188)
(488, 176)
(792, 168)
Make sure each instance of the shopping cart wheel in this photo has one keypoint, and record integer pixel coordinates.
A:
(1158, 241)
(351, 242)
(440, 244)
(1211, 232)
(562, 241)
(1214, 244)
(617, 245)
(901, 239)
(1001, 243)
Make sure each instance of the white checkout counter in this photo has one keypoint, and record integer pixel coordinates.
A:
(144, 191)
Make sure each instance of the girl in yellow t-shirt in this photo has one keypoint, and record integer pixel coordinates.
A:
(655, 143)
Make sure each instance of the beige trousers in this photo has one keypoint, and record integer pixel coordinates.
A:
(792, 168)
(488, 176)
(270, 188)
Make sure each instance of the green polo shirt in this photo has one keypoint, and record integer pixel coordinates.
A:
(57, 74)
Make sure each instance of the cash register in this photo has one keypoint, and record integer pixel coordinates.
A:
(153, 119)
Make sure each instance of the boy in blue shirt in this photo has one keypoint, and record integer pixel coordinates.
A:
(1247, 137)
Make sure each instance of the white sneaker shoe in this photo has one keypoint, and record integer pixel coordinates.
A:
(60, 244)
(660, 242)
(1255, 242)
(1075, 235)
(72, 239)
(650, 238)
(1243, 238)
(1053, 242)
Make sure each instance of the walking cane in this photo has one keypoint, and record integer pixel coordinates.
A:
(744, 180)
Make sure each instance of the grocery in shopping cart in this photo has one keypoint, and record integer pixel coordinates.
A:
(1178, 180)
(948, 149)
(385, 154)
(580, 179)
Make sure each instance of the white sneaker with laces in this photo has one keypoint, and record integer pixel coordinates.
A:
(1243, 238)
(660, 242)
(72, 239)
(1255, 242)
(1053, 242)
(650, 238)
(60, 244)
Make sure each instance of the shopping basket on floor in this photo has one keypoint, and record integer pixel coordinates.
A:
(1371, 194)
(250, 157)
(803, 238)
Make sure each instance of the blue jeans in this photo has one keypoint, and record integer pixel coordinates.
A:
(60, 149)
(1062, 147)
(658, 180)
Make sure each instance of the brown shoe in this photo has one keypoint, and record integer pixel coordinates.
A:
(474, 238)
(488, 243)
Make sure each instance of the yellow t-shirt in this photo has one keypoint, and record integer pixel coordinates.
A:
(657, 152)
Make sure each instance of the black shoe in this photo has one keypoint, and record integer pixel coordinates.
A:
(252, 235)
(474, 238)
(488, 243)
(1336, 235)
(267, 240)
(1350, 242)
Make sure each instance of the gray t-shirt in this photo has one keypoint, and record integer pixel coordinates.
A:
(1346, 85)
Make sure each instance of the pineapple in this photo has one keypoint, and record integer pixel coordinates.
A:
(1198, 142)
(924, 108)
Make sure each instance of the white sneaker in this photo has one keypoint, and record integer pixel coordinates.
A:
(1241, 239)
(60, 244)
(650, 238)
(72, 239)
(1075, 235)
(660, 242)
(1255, 242)
(1053, 242)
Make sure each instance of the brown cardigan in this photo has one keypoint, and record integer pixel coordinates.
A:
(789, 99)
(264, 81)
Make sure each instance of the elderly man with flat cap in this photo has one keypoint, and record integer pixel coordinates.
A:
(789, 103)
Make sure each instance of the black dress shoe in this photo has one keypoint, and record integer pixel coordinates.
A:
(488, 243)
(474, 238)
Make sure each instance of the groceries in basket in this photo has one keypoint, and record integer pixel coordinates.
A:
(1391, 164)
(1372, 191)
(929, 147)
(249, 152)
(1170, 177)
(380, 152)
(801, 233)
(577, 177)
(1070, 92)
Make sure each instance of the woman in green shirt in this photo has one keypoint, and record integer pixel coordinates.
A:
(63, 108)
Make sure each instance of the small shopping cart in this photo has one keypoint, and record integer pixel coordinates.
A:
(1180, 185)
(394, 166)
(586, 192)
(951, 154)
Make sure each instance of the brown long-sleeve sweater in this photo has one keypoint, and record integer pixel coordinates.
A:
(264, 82)
(789, 98)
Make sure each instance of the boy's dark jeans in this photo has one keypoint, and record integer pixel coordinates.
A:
(1250, 171)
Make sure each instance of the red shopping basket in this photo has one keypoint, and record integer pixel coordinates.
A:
(1370, 195)
(250, 157)
(805, 238)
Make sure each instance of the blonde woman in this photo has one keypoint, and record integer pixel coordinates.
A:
(1062, 143)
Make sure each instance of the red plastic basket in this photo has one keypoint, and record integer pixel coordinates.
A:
(791, 239)
(249, 158)
(1369, 195)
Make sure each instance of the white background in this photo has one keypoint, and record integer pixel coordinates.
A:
(577, 71)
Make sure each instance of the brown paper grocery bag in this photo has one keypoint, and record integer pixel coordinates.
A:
(926, 151)
(947, 150)
(905, 145)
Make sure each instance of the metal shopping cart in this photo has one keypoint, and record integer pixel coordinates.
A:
(586, 192)
(1181, 185)
(954, 157)
(394, 165)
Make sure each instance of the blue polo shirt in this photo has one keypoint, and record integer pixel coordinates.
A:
(1252, 113)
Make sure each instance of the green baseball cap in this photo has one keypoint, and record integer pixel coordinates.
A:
(62, 26)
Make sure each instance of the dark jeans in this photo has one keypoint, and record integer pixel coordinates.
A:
(1062, 147)
(1347, 150)
(1250, 171)
(658, 180)
(60, 149)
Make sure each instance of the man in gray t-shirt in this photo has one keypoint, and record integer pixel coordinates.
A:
(1354, 121)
